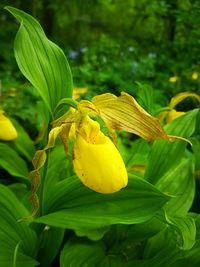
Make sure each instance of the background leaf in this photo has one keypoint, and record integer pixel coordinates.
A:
(162, 251)
(50, 242)
(14, 233)
(145, 97)
(81, 253)
(23, 143)
(165, 155)
(42, 62)
(12, 163)
(75, 206)
(186, 230)
(179, 182)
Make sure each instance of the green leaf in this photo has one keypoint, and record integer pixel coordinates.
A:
(22, 192)
(23, 143)
(12, 163)
(164, 154)
(50, 242)
(15, 237)
(81, 253)
(145, 97)
(196, 150)
(138, 153)
(67, 101)
(147, 229)
(179, 182)
(42, 62)
(188, 258)
(56, 170)
(186, 230)
(92, 234)
(75, 206)
(162, 251)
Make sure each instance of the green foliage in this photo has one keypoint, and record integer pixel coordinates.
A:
(18, 240)
(12, 162)
(155, 220)
(41, 61)
(75, 206)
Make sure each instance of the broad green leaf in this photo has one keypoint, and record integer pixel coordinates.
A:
(162, 251)
(15, 236)
(137, 155)
(22, 192)
(74, 206)
(164, 154)
(189, 258)
(179, 182)
(23, 143)
(41, 61)
(145, 96)
(197, 222)
(196, 151)
(50, 242)
(146, 230)
(12, 163)
(80, 253)
(11, 257)
(186, 231)
(160, 248)
(172, 257)
(92, 234)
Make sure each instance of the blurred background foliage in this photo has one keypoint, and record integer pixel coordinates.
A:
(110, 45)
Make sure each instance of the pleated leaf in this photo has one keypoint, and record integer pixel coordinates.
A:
(17, 239)
(41, 61)
(81, 253)
(165, 155)
(180, 183)
(145, 96)
(23, 143)
(74, 206)
(162, 251)
(185, 229)
(50, 242)
(12, 162)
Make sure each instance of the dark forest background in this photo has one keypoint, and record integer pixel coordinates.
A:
(112, 44)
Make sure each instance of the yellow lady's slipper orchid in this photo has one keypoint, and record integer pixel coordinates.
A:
(97, 162)
(7, 130)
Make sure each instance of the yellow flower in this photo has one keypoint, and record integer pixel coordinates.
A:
(97, 162)
(173, 79)
(7, 130)
(195, 75)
